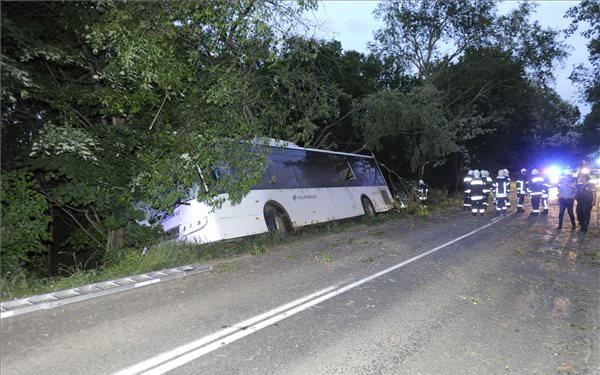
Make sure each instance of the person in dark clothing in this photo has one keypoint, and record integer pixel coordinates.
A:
(467, 190)
(586, 199)
(521, 189)
(476, 192)
(423, 193)
(534, 189)
(566, 198)
(545, 195)
(506, 174)
(501, 192)
(487, 187)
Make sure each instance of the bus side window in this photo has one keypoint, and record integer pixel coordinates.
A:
(344, 169)
(283, 176)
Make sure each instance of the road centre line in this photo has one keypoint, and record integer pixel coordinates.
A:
(177, 357)
(241, 326)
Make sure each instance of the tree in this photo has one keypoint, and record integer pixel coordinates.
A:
(426, 36)
(449, 44)
(109, 104)
(588, 12)
(412, 124)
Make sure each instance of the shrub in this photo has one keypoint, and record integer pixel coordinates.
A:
(24, 229)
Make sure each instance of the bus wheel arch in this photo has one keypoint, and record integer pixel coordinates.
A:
(277, 218)
(368, 206)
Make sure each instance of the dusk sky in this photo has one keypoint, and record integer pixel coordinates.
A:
(353, 24)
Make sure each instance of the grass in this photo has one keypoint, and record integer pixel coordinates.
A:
(127, 262)
(519, 252)
(227, 267)
(576, 327)
(594, 258)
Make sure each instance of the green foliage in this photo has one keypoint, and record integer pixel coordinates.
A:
(427, 35)
(25, 219)
(54, 141)
(536, 48)
(414, 120)
(116, 103)
(588, 12)
(484, 63)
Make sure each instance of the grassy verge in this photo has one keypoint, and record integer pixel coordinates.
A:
(127, 262)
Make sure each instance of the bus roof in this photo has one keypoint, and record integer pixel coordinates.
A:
(286, 144)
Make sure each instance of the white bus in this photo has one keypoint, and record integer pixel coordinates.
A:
(300, 186)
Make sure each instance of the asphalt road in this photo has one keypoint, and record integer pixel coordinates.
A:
(451, 294)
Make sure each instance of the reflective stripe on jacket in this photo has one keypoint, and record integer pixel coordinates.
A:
(501, 187)
(476, 190)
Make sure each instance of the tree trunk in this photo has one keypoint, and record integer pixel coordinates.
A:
(115, 238)
(459, 166)
(421, 169)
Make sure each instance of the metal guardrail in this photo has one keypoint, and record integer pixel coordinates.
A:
(67, 296)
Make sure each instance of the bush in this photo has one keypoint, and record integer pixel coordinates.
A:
(24, 229)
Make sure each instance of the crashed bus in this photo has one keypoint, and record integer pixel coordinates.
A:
(300, 186)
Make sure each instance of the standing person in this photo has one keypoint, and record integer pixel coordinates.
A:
(501, 192)
(586, 198)
(422, 193)
(467, 190)
(545, 195)
(476, 193)
(521, 189)
(487, 187)
(534, 189)
(566, 198)
(508, 188)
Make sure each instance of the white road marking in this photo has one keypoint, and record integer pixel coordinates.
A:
(177, 357)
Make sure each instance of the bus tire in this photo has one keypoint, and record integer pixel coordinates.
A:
(277, 220)
(368, 207)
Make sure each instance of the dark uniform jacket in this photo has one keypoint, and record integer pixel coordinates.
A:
(501, 187)
(535, 185)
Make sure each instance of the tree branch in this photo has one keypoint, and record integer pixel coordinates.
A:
(158, 112)
(72, 217)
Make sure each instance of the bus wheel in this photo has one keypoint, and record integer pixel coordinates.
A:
(276, 220)
(368, 207)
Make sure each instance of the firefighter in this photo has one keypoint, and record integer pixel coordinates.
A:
(545, 195)
(534, 189)
(487, 187)
(422, 193)
(501, 191)
(521, 190)
(476, 193)
(467, 190)
(506, 174)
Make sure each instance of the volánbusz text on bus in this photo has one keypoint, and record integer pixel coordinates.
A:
(300, 186)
